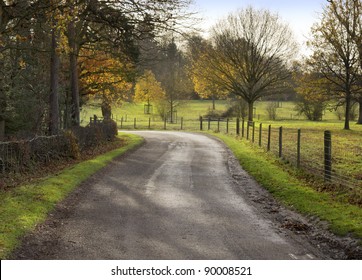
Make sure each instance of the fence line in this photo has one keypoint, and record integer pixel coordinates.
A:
(309, 150)
(25, 155)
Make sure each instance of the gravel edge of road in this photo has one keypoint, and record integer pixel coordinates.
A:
(294, 223)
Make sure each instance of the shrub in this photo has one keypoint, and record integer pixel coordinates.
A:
(237, 108)
(71, 146)
(213, 114)
(311, 109)
(271, 109)
(24, 155)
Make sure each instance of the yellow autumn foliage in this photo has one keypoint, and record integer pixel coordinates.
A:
(148, 89)
(104, 76)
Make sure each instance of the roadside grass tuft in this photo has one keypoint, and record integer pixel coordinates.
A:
(23, 207)
(290, 190)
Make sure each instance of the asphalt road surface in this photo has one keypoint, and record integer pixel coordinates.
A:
(173, 198)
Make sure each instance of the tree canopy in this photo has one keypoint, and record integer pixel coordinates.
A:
(148, 89)
(249, 54)
(336, 57)
(53, 54)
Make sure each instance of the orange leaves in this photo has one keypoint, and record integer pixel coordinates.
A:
(102, 75)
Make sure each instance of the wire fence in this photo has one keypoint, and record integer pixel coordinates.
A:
(334, 160)
(18, 156)
(25, 155)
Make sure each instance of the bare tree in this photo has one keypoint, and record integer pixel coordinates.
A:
(174, 79)
(349, 14)
(335, 56)
(250, 53)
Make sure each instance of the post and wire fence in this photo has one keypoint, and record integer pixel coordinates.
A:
(309, 150)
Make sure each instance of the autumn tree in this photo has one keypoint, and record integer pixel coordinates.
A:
(336, 57)
(105, 78)
(249, 55)
(199, 70)
(115, 24)
(148, 89)
(40, 38)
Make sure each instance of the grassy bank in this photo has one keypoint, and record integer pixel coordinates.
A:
(343, 218)
(22, 208)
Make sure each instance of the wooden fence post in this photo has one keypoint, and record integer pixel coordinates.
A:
(227, 125)
(182, 123)
(2, 130)
(327, 156)
(208, 123)
(269, 138)
(253, 135)
(164, 124)
(247, 130)
(243, 128)
(280, 141)
(218, 125)
(200, 123)
(122, 122)
(237, 126)
(135, 123)
(149, 123)
(260, 133)
(298, 147)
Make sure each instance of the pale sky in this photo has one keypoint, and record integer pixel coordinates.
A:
(300, 15)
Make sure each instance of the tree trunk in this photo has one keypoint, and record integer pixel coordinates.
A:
(360, 110)
(54, 82)
(348, 109)
(106, 111)
(251, 111)
(2, 129)
(74, 80)
(171, 112)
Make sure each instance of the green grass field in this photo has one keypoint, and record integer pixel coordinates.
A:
(194, 108)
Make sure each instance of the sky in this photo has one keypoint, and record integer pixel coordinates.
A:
(300, 15)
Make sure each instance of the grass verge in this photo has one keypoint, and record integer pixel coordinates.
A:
(22, 208)
(343, 218)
